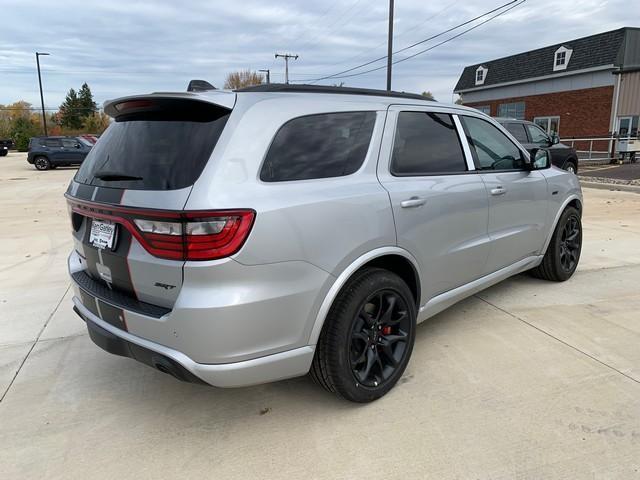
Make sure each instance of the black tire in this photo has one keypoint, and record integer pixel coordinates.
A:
(4, 153)
(42, 163)
(362, 367)
(563, 254)
(571, 166)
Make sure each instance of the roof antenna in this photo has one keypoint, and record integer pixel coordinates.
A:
(199, 86)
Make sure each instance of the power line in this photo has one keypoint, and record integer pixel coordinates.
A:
(336, 75)
(364, 52)
(436, 45)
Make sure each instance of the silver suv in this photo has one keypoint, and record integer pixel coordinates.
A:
(237, 238)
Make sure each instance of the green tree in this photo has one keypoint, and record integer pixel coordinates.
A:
(428, 95)
(85, 101)
(70, 111)
(23, 129)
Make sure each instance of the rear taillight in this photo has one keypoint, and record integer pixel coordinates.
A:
(198, 235)
(192, 235)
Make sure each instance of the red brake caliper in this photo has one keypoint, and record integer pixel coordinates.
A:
(386, 330)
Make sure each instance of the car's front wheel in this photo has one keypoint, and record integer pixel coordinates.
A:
(367, 338)
(571, 167)
(563, 254)
(42, 163)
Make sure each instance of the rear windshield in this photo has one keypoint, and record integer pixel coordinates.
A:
(159, 145)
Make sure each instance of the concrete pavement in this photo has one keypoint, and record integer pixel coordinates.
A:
(527, 380)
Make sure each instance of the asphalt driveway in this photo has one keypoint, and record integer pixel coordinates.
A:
(527, 380)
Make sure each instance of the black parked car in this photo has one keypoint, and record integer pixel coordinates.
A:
(532, 136)
(5, 145)
(51, 152)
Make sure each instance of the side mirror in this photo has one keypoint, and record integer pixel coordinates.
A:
(555, 139)
(78, 145)
(539, 159)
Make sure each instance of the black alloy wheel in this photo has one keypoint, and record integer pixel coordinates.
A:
(379, 338)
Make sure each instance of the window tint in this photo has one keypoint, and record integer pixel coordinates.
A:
(517, 130)
(164, 146)
(69, 143)
(537, 135)
(426, 143)
(53, 142)
(491, 148)
(319, 146)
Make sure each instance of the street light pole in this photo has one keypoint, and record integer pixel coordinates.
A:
(390, 46)
(268, 72)
(44, 117)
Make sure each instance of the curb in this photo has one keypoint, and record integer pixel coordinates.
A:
(611, 186)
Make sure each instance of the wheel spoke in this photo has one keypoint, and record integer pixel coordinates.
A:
(364, 374)
(385, 318)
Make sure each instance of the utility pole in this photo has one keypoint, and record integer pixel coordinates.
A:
(390, 46)
(286, 57)
(268, 72)
(44, 117)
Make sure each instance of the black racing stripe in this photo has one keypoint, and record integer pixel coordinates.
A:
(112, 315)
(84, 192)
(89, 301)
(90, 252)
(109, 195)
(117, 263)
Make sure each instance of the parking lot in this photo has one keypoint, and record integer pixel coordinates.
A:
(527, 380)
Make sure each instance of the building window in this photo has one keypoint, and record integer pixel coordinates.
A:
(486, 109)
(511, 110)
(561, 58)
(481, 75)
(551, 125)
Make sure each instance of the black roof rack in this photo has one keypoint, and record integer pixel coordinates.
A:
(302, 88)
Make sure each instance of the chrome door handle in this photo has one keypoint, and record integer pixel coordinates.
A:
(413, 202)
(498, 191)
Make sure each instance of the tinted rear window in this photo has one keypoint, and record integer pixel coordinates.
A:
(166, 144)
(319, 146)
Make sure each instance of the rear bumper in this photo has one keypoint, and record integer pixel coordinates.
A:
(279, 366)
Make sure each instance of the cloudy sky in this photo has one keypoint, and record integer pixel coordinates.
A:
(122, 47)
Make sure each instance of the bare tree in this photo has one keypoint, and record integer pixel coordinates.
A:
(242, 78)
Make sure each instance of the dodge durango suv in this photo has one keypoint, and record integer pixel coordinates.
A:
(233, 238)
(46, 153)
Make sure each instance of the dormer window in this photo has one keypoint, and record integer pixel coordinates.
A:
(561, 58)
(481, 75)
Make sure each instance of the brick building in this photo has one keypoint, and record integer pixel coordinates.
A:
(581, 88)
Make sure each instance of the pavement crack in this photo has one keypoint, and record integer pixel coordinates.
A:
(34, 343)
(558, 339)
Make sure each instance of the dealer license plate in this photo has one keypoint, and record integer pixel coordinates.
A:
(102, 234)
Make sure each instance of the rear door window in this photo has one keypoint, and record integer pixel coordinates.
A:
(52, 142)
(155, 145)
(426, 143)
(319, 146)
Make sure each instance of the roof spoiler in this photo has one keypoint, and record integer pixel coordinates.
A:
(199, 86)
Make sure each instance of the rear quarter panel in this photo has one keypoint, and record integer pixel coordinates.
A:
(327, 222)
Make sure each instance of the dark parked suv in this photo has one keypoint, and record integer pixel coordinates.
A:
(51, 152)
(532, 136)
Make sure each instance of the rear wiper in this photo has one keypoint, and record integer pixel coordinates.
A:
(109, 176)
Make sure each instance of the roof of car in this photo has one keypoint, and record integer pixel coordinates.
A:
(302, 88)
(329, 95)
